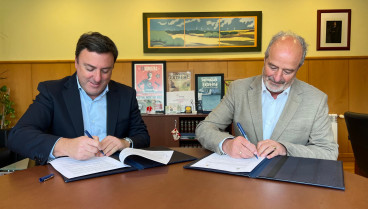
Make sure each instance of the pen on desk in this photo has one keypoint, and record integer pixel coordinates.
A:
(45, 178)
(244, 135)
(89, 135)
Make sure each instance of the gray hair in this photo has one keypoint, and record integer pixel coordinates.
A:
(295, 36)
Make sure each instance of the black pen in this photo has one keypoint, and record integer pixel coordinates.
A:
(47, 177)
(244, 135)
(89, 135)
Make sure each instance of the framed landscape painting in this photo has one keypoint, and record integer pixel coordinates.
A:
(202, 32)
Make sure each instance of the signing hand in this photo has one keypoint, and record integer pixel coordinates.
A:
(111, 144)
(239, 147)
(270, 148)
(80, 148)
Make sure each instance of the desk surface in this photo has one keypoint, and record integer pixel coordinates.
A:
(173, 187)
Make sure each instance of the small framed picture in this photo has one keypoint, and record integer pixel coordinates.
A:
(333, 29)
(149, 82)
(209, 90)
(227, 84)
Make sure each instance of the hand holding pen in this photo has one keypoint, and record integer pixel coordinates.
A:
(244, 135)
(239, 147)
(89, 135)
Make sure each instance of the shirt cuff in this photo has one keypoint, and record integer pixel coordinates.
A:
(220, 146)
(51, 156)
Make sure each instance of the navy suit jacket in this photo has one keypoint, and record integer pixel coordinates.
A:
(56, 112)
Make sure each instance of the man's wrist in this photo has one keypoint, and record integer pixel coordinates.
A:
(130, 141)
(221, 146)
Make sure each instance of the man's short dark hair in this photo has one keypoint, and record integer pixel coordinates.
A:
(96, 42)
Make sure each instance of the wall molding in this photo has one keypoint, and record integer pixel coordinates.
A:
(182, 60)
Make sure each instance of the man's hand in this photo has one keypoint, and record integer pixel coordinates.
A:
(239, 147)
(270, 148)
(111, 144)
(80, 148)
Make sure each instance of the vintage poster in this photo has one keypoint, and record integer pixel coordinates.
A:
(227, 84)
(149, 82)
(209, 91)
(179, 81)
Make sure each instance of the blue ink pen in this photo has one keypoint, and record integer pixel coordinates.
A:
(89, 135)
(244, 135)
(45, 178)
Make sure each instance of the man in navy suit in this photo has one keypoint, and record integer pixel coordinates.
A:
(54, 124)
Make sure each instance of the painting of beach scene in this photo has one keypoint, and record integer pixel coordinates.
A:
(203, 33)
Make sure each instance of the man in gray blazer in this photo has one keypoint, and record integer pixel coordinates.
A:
(280, 114)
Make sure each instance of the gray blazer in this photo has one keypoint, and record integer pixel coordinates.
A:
(303, 128)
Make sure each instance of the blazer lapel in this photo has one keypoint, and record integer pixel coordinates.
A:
(73, 104)
(255, 105)
(113, 103)
(290, 108)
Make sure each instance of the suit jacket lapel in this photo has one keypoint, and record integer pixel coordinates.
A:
(255, 105)
(113, 102)
(73, 104)
(290, 108)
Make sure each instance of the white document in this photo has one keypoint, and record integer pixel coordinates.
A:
(71, 168)
(158, 156)
(226, 163)
(181, 98)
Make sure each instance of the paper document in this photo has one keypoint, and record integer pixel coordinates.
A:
(71, 168)
(226, 163)
(158, 156)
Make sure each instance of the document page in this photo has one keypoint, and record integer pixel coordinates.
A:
(72, 168)
(158, 156)
(226, 163)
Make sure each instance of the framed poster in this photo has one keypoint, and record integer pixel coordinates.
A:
(227, 84)
(202, 32)
(179, 81)
(333, 29)
(209, 90)
(149, 82)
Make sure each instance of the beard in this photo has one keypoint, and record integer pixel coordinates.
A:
(273, 86)
(276, 87)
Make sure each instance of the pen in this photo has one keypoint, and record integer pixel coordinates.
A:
(89, 135)
(244, 135)
(45, 178)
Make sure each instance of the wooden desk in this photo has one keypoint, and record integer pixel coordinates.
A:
(173, 187)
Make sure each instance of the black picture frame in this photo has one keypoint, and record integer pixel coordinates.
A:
(333, 29)
(196, 32)
(149, 81)
(209, 90)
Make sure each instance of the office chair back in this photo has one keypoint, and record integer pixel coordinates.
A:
(357, 124)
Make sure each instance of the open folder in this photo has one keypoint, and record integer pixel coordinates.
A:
(316, 172)
(127, 160)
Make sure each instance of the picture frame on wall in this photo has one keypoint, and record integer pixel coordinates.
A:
(196, 32)
(333, 29)
(149, 83)
(209, 90)
(227, 84)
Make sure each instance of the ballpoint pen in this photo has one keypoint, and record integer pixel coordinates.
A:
(244, 135)
(47, 177)
(89, 135)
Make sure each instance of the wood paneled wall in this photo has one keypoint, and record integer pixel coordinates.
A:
(343, 79)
